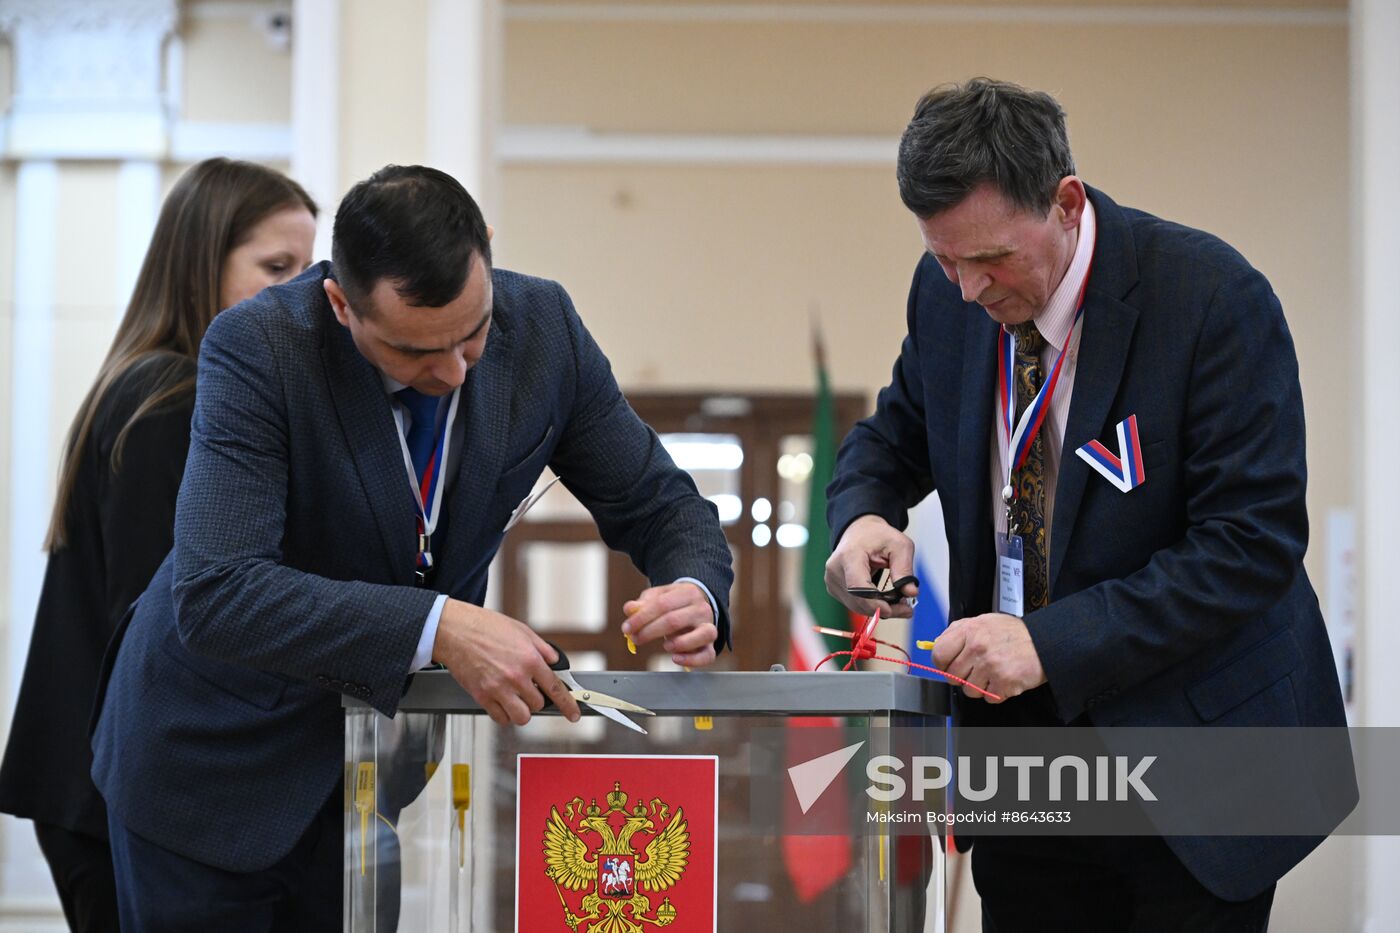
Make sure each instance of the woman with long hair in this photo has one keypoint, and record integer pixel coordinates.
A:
(227, 230)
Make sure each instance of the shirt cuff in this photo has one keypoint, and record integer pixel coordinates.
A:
(424, 655)
(714, 607)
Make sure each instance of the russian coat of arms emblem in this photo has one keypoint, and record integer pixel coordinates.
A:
(625, 858)
(616, 843)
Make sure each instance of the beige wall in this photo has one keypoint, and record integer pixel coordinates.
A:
(382, 114)
(704, 275)
(85, 311)
(231, 75)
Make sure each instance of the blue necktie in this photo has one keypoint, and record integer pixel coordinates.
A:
(422, 410)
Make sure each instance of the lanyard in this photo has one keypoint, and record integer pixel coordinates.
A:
(428, 488)
(1026, 429)
(1033, 418)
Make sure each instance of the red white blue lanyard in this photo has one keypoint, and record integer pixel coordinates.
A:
(1032, 419)
(428, 488)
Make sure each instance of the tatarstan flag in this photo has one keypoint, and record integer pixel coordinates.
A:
(815, 863)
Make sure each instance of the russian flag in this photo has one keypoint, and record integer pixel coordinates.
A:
(931, 567)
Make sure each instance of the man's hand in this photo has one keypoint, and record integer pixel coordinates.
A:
(680, 615)
(867, 546)
(993, 651)
(500, 662)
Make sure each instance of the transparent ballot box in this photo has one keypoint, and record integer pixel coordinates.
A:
(455, 823)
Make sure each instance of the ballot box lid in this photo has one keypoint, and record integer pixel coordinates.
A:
(719, 693)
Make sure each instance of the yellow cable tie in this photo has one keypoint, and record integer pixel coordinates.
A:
(631, 645)
(364, 804)
(702, 723)
(461, 801)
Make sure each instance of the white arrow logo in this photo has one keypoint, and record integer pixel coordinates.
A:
(811, 778)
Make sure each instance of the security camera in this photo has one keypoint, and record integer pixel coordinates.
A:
(276, 27)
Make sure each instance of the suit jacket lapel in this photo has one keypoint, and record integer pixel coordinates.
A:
(367, 423)
(977, 414)
(1103, 353)
(485, 406)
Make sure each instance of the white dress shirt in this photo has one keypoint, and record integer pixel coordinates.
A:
(1054, 321)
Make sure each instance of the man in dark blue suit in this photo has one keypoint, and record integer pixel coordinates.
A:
(361, 436)
(1108, 406)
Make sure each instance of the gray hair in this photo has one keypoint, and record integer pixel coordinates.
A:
(984, 131)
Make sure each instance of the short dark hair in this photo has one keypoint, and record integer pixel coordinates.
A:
(413, 225)
(983, 132)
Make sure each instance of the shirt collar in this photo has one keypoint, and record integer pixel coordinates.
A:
(391, 385)
(1057, 317)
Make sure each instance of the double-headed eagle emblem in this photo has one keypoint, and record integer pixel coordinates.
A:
(588, 848)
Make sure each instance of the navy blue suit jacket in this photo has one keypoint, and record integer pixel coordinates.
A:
(291, 577)
(1182, 602)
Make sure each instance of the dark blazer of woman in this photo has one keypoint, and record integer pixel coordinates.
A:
(120, 521)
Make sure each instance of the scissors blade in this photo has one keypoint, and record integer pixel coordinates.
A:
(602, 701)
(594, 701)
(617, 717)
(526, 504)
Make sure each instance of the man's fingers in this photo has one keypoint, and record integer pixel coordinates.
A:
(516, 710)
(962, 665)
(544, 679)
(545, 649)
(692, 640)
(862, 569)
(673, 623)
(899, 610)
(656, 602)
(901, 557)
(949, 645)
(839, 581)
(699, 658)
(559, 692)
(531, 696)
(497, 714)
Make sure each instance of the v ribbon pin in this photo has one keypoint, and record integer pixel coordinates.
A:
(1123, 470)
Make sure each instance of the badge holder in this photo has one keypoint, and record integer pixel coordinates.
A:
(1011, 564)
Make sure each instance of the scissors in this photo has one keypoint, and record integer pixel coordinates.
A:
(889, 593)
(601, 703)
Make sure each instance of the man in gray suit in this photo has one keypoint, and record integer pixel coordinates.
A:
(360, 438)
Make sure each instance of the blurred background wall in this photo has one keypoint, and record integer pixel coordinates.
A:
(703, 178)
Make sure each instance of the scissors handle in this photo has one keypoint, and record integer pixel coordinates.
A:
(893, 594)
(562, 664)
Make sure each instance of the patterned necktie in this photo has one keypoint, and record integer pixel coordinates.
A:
(422, 411)
(1028, 508)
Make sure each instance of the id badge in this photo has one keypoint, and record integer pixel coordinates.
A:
(1010, 566)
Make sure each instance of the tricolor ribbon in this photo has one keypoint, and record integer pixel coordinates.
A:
(1020, 440)
(427, 489)
(1124, 470)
